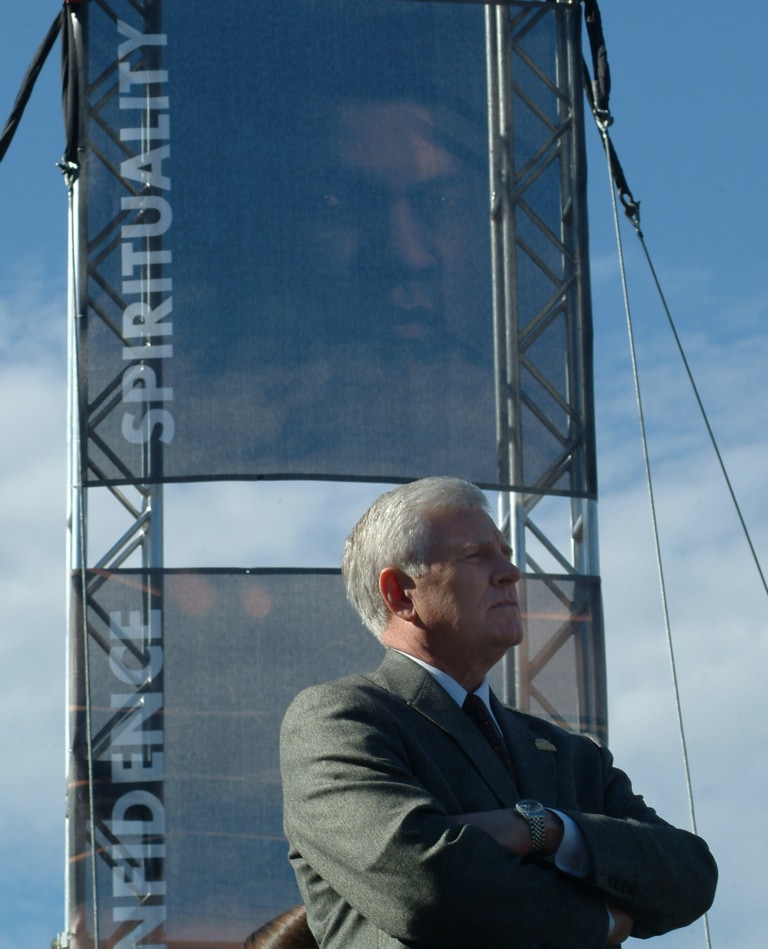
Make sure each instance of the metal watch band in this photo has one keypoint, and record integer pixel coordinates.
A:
(533, 812)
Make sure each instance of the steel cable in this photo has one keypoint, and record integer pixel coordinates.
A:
(609, 152)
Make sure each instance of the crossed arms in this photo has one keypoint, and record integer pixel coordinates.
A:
(391, 827)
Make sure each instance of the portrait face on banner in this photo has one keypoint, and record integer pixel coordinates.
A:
(326, 226)
(289, 267)
(364, 344)
(396, 231)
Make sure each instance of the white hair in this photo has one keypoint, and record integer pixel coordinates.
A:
(396, 531)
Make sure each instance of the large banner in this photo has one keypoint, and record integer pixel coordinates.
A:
(312, 241)
(285, 246)
(176, 812)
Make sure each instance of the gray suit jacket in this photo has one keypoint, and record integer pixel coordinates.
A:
(373, 768)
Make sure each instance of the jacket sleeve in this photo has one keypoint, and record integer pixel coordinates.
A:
(369, 839)
(665, 877)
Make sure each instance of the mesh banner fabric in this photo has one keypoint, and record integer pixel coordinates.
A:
(292, 262)
(286, 223)
(189, 676)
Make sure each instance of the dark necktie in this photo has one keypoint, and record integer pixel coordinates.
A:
(477, 710)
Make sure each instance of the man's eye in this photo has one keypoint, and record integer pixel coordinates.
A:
(335, 206)
(331, 201)
(438, 202)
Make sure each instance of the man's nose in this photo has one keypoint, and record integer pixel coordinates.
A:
(506, 571)
(410, 237)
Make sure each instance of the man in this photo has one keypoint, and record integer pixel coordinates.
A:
(400, 815)
(386, 271)
(395, 234)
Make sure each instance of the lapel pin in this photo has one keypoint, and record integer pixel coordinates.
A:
(543, 745)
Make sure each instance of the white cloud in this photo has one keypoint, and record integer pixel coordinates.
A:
(717, 614)
(32, 609)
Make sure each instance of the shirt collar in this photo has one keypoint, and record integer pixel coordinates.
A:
(457, 692)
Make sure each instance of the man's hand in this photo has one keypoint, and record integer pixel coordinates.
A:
(510, 830)
(622, 926)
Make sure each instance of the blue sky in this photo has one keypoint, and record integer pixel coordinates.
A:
(691, 131)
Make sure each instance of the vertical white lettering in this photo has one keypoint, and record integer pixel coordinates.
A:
(136, 741)
(144, 252)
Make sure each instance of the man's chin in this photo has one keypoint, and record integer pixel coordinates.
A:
(512, 636)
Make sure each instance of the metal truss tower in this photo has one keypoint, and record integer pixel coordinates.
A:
(541, 307)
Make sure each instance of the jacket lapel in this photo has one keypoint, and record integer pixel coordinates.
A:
(420, 691)
(533, 753)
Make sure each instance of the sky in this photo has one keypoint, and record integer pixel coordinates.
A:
(691, 131)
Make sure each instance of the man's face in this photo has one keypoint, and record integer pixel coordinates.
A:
(466, 602)
(402, 222)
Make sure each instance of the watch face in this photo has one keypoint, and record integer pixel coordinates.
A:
(530, 808)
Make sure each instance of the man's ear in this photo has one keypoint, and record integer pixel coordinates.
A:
(395, 587)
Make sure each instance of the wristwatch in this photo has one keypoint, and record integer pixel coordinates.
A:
(533, 812)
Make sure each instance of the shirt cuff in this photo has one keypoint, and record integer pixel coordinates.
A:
(572, 856)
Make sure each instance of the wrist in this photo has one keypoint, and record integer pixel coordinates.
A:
(534, 814)
(544, 828)
(553, 833)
